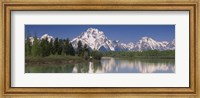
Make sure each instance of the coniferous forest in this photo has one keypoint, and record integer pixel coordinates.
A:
(57, 50)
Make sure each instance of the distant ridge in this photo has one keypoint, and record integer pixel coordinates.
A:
(97, 40)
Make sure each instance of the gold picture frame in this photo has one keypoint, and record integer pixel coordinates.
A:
(87, 5)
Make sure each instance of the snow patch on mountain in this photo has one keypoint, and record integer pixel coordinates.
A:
(130, 46)
(45, 36)
(171, 45)
(48, 37)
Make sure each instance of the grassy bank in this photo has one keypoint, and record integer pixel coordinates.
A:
(56, 59)
(149, 54)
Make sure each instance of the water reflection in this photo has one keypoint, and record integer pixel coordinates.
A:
(109, 65)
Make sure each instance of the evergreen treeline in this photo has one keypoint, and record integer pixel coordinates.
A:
(43, 48)
(143, 54)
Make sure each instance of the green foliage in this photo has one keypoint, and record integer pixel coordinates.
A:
(51, 47)
(79, 48)
(143, 54)
(71, 50)
(85, 52)
(60, 47)
(45, 47)
(35, 51)
(56, 46)
(96, 54)
(27, 46)
(66, 48)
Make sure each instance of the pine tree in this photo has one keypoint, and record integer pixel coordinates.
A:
(71, 50)
(27, 46)
(85, 52)
(96, 54)
(48, 49)
(35, 51)
(45, 47)
(79, 49)
(66, 47)
(55, 46)
(51, 48)
(60, 46)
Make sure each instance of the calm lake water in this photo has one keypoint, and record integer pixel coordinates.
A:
(109, 65)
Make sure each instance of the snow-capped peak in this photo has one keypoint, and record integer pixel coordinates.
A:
(46, 36)
(131, 44)
(146, 39)
(171, 45)
(117, 41)
(147, 43)
(94, 31)
(94, 38)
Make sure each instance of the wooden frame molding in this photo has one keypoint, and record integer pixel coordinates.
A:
(8, 7)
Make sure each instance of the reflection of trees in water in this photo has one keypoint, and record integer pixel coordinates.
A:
(49, 68)
(90, 67)
(80, 68)
(108, 64)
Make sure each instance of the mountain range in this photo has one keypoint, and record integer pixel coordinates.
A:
(96, 39)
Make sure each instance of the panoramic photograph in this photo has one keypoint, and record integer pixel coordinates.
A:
(99, 48)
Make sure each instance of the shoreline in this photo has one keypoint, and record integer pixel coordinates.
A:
(50, 60)
(56, 60)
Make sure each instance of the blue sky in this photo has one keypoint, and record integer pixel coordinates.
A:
(123, 33)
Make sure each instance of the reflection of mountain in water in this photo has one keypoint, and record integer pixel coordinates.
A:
(109, 65)
(86, 68)
(112, 65)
